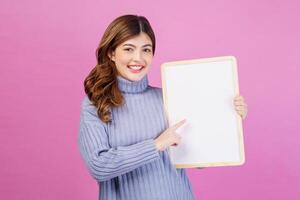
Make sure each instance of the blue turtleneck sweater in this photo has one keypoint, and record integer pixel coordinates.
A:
(122, 155)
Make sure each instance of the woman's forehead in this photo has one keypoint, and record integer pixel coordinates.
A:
(140, 40)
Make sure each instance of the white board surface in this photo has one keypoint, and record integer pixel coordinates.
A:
(202, 91)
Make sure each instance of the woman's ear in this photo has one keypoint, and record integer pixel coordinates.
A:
(111, 55)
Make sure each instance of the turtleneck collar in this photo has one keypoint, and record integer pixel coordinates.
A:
(128, 86)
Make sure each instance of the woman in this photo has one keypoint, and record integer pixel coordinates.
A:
(123, 128)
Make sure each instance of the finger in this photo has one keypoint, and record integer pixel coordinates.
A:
(240, 107)
(177, 136)
(177, 125)
(242, 114)
(241, 111)
(240, 103)
(238, 98)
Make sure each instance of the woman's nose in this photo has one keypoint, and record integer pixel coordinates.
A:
(137, 56)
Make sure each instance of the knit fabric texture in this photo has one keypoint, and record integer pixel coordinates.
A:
(121, 155)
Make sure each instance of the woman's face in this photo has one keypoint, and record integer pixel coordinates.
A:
(133, 57)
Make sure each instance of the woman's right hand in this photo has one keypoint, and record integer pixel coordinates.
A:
(169, 137)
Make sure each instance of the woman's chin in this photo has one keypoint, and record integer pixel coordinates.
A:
(135, 77)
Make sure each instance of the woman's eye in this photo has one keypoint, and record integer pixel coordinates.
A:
(147, 50)
(128, 49)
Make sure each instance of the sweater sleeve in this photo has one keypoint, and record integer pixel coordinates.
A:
(103, 161)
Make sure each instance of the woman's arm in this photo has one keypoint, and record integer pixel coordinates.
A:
(104, 162)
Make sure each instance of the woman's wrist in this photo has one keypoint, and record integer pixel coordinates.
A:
(158, 146)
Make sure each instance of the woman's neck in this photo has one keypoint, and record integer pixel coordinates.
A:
(128, 86)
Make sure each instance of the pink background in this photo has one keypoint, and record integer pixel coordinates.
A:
(48, 48)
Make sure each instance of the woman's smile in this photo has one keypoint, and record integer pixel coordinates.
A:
(135, 68)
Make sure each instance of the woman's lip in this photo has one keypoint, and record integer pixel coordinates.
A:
(137, 65)
(134, 70)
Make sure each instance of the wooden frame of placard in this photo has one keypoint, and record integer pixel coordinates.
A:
(218, 147)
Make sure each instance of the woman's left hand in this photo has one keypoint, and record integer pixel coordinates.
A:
(240, 106)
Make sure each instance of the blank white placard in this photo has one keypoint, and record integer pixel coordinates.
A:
(202, 91)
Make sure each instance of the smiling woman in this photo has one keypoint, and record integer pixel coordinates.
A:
(123, 133)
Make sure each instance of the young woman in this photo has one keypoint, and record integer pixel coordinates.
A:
(123, 128)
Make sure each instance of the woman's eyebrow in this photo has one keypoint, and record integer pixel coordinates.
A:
(146, 45)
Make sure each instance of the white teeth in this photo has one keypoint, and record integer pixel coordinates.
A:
(135, 67)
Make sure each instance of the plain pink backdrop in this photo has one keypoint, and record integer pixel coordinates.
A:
(48, 48)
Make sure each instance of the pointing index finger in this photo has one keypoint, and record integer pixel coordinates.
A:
(178, 124)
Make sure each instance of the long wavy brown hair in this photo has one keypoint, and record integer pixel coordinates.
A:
(101, 84)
